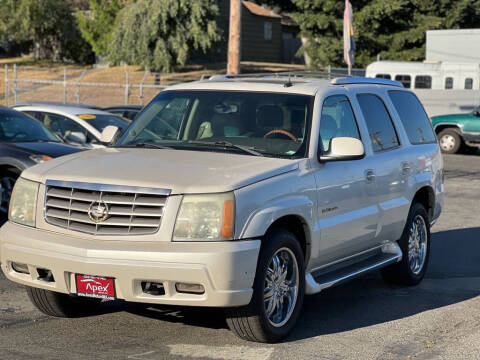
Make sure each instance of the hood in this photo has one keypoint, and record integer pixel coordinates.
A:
(181, 171)
(51, 149)
(451, 117)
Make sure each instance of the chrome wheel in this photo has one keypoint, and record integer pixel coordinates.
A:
(447, 142)
(6, 187)
(281, 287)
(417, 244)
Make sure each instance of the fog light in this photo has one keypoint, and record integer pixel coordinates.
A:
(189, 288)
(20, 268)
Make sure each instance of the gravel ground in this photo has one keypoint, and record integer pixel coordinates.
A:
(363, 319)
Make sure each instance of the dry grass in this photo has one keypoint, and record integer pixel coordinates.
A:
(105, 96)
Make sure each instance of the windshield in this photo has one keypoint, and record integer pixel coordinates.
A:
(100, 122)
(17, 127)
(271, 124)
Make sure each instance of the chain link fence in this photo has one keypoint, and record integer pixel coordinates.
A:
(74, 87)
(81, 86)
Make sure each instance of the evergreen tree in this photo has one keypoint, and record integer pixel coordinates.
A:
(97, 24)
(393, 29)
(47, 24)
(159, 34)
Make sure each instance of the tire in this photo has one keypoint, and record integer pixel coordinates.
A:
(467, 149)
(450, 141)
(7, 180)
(61, 305)
(251, 322)
(402, 273)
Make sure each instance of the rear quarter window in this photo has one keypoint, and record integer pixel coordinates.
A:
(413, 117)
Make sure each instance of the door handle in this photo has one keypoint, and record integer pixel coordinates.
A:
(369, 175)
(405, 168)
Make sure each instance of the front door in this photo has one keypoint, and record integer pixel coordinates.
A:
(347, 210)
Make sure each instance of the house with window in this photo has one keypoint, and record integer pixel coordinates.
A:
(266, 36)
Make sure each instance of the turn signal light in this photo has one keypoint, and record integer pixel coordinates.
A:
(227, 220)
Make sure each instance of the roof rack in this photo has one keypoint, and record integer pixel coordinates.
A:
(273, 75)
(365, 80)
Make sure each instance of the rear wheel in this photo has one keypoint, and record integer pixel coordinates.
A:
(278, 291)
(415, 245)
(450, 141)
(61, 305)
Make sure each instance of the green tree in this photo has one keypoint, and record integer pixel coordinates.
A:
(159, 34)
(393, 29)
(47, 24)
(97, 24)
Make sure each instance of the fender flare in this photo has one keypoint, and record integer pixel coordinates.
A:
(260, 221)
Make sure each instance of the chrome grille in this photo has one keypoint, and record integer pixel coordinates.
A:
(131, 210)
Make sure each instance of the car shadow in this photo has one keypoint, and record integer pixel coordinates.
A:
(365, 301)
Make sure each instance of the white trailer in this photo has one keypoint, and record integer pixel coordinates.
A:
(428, 75)
(443, 87)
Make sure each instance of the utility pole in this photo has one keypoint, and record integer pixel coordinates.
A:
(233, 67)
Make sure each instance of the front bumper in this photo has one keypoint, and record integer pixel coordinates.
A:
(225, 269)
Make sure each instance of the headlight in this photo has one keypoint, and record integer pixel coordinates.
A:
(207, 217)
(23, 202)
(40, 158)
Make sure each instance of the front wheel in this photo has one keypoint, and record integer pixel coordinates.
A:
(278, 291)
(61, 305)
(7, 181)
(450, 141)
(415, 245)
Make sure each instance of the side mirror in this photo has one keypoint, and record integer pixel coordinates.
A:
(76, 137)
(476, 113)
(343, 148)
(108, 134)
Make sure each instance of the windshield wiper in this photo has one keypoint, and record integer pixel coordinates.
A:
(151, 145)
(225, 144)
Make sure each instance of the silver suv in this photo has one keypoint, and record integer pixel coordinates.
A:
(243, 193)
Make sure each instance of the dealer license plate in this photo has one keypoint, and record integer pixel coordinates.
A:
(95, 286)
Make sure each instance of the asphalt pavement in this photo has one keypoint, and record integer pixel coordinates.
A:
(362, 319)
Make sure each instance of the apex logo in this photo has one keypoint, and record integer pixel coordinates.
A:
(95, 286)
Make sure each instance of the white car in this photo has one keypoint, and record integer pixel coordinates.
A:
(242, 193)
(74, 124)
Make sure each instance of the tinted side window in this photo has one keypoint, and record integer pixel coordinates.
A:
(34, 114)
(337, 120)
(383, 76)
(413, 117)
(423, 82)
(406, 80)
(379, 123)
(61, 125)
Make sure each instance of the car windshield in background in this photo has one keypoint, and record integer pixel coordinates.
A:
(100, 121)
(16, 127)
(257, 123)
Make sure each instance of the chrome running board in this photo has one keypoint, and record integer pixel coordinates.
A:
(317, 281)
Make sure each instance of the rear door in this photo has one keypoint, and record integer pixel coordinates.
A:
(347, 211)
(392, 166)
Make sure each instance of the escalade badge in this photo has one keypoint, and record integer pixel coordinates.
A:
(98, 211)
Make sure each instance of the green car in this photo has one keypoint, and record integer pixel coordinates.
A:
(458, 130)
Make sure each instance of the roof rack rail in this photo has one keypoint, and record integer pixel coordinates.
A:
(365, 80)
(283, 74)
